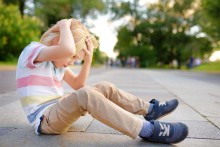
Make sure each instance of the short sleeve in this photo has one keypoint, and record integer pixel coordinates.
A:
(30, 54)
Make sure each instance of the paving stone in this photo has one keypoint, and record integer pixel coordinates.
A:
(183, 112)
(98, 127)
(215, 121)
(7, 98)
(190, 142)
(203, 102)
(202, 130)
(199, 108)
(203, 96)
(12, 115)
(26, 138)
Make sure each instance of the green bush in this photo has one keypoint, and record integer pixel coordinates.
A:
(15, 32)
(98, 57)
(209, 67)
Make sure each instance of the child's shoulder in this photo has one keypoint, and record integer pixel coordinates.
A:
(33, 46)
(34, 43)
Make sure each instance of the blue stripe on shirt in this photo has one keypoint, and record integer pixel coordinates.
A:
(32, 117)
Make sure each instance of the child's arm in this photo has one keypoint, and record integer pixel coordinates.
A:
(79, 81)
(65, 47)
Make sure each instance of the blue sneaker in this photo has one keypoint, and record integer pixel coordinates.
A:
(168, 132)
(161, 109)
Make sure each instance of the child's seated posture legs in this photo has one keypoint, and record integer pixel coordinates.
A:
(43, 66)
(110, 106)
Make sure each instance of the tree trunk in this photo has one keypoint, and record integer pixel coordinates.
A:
(21, 7)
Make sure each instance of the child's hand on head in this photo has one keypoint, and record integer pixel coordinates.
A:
(64, 22)
(88, 50)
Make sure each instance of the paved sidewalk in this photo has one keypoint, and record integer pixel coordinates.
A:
(198, 108)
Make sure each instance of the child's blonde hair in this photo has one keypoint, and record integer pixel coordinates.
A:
(79, 32)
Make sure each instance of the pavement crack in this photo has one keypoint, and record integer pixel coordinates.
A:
(89, 125)
(5, 130)
(202, 138)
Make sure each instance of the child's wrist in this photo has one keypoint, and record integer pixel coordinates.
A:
(88, 60)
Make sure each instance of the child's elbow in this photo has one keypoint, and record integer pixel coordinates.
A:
(69, 51)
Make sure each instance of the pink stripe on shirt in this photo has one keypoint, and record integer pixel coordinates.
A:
(34, 80)
(29, 63)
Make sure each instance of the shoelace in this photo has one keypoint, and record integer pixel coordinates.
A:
(162, 103)
(165, 130)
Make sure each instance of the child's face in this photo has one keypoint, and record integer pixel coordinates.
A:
(64, 62)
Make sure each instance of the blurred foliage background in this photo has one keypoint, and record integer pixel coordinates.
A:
(157, 33)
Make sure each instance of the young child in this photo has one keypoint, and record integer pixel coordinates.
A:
(42, 66)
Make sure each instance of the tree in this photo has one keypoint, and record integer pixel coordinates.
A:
(15, 32)
(20, 3)
(135, 43)
(164, 32)
(98, 57)
(170, 21)
(50, 11)
(208, 18)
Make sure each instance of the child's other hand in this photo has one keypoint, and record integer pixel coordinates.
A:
(88, 50)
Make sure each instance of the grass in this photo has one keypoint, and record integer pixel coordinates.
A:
(8, 65)
(12, 62)
(209, 67)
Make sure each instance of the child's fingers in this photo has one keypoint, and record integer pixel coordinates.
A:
(64, 21)
(87, 52)
(89, 44)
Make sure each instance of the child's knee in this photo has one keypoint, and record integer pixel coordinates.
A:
(84, 91)
(104, 85)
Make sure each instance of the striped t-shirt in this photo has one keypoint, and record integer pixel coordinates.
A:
(39, 85)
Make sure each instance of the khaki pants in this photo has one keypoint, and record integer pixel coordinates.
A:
(104, 102)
